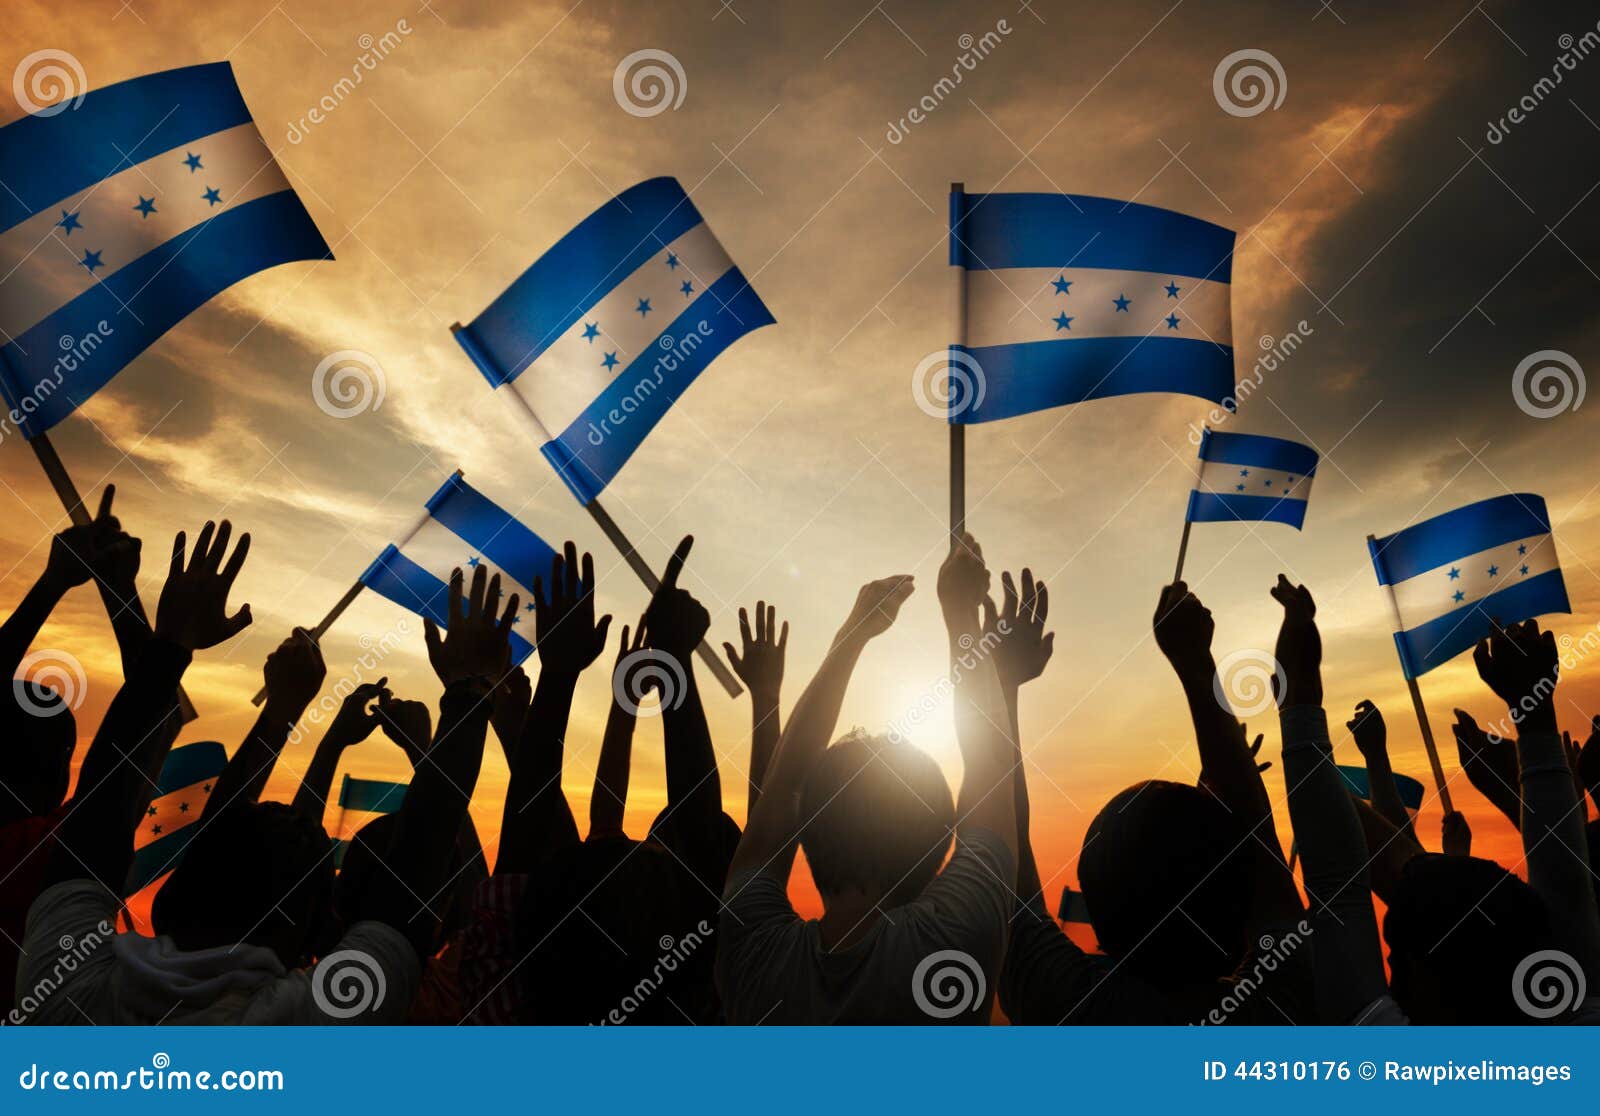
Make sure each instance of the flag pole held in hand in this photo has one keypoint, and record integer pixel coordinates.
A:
(958, 431)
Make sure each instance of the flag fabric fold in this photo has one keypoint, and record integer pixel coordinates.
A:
(182, 790)
(1251, 477)
(121, 217)
(603, 333)
(1452, 576)
(1070, 298)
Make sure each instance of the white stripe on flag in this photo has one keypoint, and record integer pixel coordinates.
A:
(1434, 592)
(440, 550)
(572, 371)
(41, 265)
(1227, 479)
(1023, 304)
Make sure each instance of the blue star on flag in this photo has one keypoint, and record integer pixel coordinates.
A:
(643, 307)
(591, 330)
(1172, 290)
(610, 361)
(1172, 321)
(192, 162)
(146, 206)
(91, 260)
(1122, 302)
(1063, 322)
(69, 221)
(1062, 284)
(212, 195)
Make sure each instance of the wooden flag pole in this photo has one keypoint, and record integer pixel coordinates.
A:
(1183, 549)
(624, 545)
(958, 430)
(61, 481)
(1422, 712)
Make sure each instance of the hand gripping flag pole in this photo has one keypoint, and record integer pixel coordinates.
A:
(958, 431)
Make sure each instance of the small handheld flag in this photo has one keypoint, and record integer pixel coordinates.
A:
(365, 796)
(182, 790)
(1356, 781)
(609, 327)
(1069, 298)
(122, 216)
(1250, 477)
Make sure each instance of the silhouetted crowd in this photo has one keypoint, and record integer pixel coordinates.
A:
(934, 907)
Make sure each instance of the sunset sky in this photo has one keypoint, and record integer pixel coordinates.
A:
(1424, 259)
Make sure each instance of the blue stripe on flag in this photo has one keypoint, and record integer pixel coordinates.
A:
(992, 231)
(191, 764)
(492, 531)
(374, 796)
(1278, 454)
(47, 158)
(590, 451)
(1217, 507)
(1455, 534)
(1441, 639)
(1356, 780)
(1032, 376)
(408, 585)
(605, 248)
(158, 290)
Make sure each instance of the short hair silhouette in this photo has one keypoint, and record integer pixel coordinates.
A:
(260, 873)
(878, 818)
(1457, 927)
(36, 763)
(1166, 875)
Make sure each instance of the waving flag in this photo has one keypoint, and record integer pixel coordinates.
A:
(462, 528)
(120, 217)
(169, 823)
(1252, 477)
(1450, 576)
(608, 328)
(1070, 298)
(365, 796)
(1358, 784)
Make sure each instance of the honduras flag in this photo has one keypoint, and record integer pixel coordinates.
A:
(182, 790)
(1070, 298)
(1252, 477)
(603, 333)
(1450, 576)
(462, 528)
(365, 796)
(119, 218)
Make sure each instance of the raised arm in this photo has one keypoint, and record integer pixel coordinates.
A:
(1021, 649)
(354, 722)
(773, 830)
(629, 679)
(676, 623)
(1372, 740)
(760, 668)
(293, 673)
(1490, 765)
(508, 709)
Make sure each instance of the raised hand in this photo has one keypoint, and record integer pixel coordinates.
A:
(567, 635)
(474, 647)
(760, 667)
(98, 549)
(676, 621)
(1490, 764)
(294, 673)
(406, 723)
(624, 670)
(1183, 628)
(963, 585)
(1521, 665)
(1589, 761)
(1024, 647)
(1299, 648)
(193, 610)
(876, 608)
(1371, 734)
(358, 714)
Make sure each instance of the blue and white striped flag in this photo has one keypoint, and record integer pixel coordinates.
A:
(1451, 576)
(1070, 298)
(1251, 477)
(182, 790)
(120, 217)
(365, 797)
(603, 333)
(462, 528)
